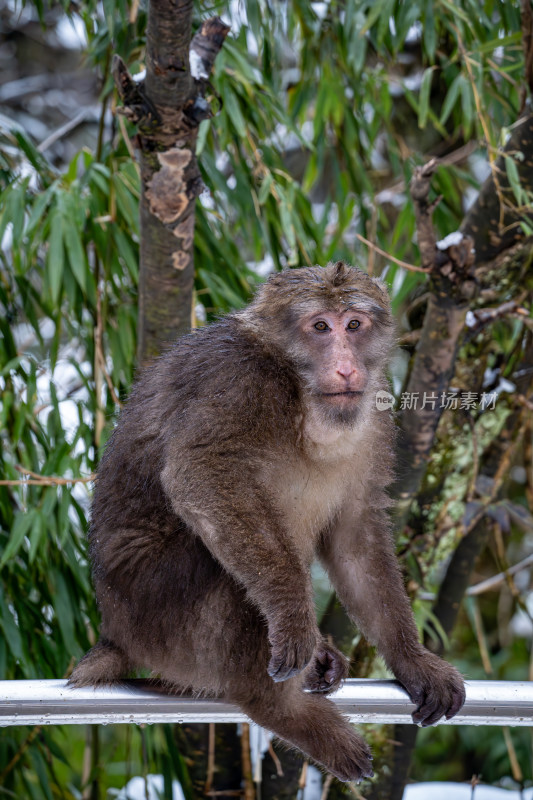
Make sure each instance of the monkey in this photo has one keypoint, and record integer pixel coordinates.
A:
(247, 450)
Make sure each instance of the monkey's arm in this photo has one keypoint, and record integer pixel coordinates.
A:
(240, 527)
(359, 556)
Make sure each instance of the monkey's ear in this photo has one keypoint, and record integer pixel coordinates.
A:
(340, 273)
(384, 291)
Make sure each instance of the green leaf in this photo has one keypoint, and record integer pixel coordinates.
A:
(456, 11)
(73, 244)
(64, 611)
(39, 769)
(127, 338)
(514, 178)
(38, 209)
(450, 99)
(10, 628)
(423, 98)
(467, 106)
(17, 209)
(23, 523)
(126, 203)
(101, 178)
(504, 41)
(264, 191)
(377, 10)
(55, 262)
(37, 532)
(203, 132)
(126, 251)
(224, 295)
(12, 365)
(179, 764)
(430, 30)
(5, 210)
(234, 113)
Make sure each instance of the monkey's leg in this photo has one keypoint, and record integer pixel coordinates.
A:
(105, 663)
(311, 723)
(364, 570)
(245, 535)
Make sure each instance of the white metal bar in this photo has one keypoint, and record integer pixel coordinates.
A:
(52, 702)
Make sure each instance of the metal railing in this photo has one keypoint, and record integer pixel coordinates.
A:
(52, 702)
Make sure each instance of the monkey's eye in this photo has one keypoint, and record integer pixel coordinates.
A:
(321, 326)
(353, 324)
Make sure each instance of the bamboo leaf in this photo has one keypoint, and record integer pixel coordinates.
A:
(423, 98)
(55, 262)
(37, 530)
(514, 178)
(23, 523)
(467, 106)
(64, 611)
(264, 191)
(430, 30)
(11, 630)
(73, 245)
(39, 207)
(126, 251)
(234, 113)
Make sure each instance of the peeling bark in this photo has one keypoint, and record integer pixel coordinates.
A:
(167, 108)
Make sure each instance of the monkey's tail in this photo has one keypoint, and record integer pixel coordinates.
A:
(104, 664)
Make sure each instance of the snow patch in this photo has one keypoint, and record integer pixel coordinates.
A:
(151, 788)
(470, 320)
(71, 33)
(198, 70)
(452, 239)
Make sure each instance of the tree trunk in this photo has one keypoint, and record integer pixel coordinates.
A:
(167, 109)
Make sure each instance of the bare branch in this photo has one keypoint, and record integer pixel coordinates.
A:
(43, 480)
(420, 186)
(388, 256)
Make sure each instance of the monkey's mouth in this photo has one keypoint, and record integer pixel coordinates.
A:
(342, 394)
(339, 394)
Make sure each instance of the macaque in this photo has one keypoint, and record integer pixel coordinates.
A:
(249, 449)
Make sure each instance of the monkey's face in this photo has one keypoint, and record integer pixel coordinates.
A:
(335, 325)
(334, 353)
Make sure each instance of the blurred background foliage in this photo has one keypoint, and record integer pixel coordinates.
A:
(324, 109)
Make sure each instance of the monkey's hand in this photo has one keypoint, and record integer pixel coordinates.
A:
(434, 686)
(327, 670)
(292, 650)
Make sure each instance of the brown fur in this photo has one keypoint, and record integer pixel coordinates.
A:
(251, 447)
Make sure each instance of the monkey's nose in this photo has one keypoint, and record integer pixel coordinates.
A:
(345, 368)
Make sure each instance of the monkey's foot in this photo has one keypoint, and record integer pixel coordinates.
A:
(101, 666)
(353, 760)
(327, 670)
(435, 687)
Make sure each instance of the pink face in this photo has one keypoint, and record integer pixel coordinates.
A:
(336, 343)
